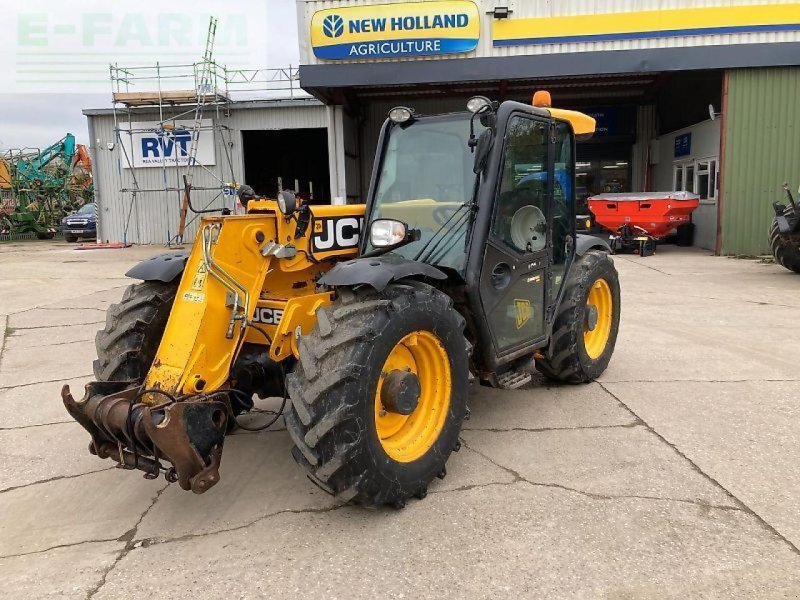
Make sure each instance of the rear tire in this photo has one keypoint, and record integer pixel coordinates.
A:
(572, 356)
(786, 253)
(127, 345)
(335, 415)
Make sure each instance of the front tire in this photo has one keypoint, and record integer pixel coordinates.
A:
(587, 321)
(786, 254)
(343, 433)
(70, 239)
(127, 345)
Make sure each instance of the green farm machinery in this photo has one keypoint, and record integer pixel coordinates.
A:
(39, 187)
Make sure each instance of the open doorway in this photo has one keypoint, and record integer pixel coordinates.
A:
(289, 154)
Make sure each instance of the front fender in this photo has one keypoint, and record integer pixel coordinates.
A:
(164, 267)
(584, 243)
(378, 271)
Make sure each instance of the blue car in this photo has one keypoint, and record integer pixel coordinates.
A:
(81, 224)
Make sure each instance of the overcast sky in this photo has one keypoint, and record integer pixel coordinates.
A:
(56, 55)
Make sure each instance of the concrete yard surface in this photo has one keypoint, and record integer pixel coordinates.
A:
(675, 475)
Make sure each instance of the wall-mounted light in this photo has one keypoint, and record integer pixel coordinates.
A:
(501, 12)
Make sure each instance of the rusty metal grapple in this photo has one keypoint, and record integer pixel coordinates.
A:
(188, 433)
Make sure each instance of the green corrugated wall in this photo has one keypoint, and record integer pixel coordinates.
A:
(762, 130)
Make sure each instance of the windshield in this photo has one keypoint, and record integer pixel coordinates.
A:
(86, 209)
(426, 180)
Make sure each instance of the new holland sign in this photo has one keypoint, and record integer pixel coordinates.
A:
(395, 30)
(150, 146)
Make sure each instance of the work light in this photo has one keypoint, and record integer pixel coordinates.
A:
(401, 114)
(287, 202)
(477, 103)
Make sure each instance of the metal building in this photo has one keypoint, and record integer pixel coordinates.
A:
(678, 87)
(246, 148)
(695, 95)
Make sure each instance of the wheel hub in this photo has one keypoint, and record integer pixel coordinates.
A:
(400, 392)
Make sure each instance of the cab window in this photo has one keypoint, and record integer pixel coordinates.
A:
(520, 219)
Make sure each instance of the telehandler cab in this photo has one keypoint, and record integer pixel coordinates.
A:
(372, 319)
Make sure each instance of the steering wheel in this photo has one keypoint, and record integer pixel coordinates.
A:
(442, 213)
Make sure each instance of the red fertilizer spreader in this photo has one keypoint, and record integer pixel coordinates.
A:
(639, 219)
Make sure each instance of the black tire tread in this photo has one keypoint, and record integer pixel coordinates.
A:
(786, 255)
(323, 421)
(562, 361)
(127, 345)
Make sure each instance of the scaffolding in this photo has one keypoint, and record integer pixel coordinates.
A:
(174, 104)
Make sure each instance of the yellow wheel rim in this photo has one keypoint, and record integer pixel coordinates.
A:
(405, 438)
(599, 299)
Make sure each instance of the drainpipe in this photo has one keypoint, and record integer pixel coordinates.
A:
(721, 168)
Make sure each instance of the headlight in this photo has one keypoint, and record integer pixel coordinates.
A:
(387, 232)
(400, 114)
(477, 103)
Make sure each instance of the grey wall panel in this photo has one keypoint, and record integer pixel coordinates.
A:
(151, 217)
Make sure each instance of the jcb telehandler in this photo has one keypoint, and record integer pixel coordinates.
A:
(373, 319)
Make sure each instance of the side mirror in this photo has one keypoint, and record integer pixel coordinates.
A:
(482, 149)
(287, 202)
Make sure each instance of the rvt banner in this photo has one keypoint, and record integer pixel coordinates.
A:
(148, 145)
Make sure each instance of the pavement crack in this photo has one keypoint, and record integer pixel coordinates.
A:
(51, 479)
(61, 325)
(740, 504)
(63, 308)
(27, 347)
(640, 264)
(544, 429)
(147, 542)
(128, 538)
(35, 425)
(519, 478)
(776, 380)
(474, 486)
(13, 387)
(57, 547)
(7, 331)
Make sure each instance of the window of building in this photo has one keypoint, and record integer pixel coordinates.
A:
(697, 177)
(707, 180)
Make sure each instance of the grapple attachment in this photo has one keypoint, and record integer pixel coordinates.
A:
(187, 432)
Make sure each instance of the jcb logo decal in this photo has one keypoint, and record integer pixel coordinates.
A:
(524, 311)
(268, 316)
(337, 233)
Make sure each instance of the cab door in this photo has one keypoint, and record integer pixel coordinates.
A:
(515, 271)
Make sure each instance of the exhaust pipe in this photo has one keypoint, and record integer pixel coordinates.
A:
(188, 432)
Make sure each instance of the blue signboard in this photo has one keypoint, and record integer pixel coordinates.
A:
(683, 144)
